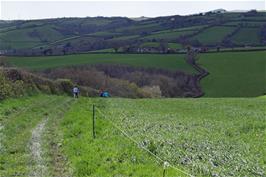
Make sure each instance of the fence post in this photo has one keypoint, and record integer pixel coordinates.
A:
(93, 121)
(165, 166)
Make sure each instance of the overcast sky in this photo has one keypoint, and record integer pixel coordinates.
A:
(51, 9)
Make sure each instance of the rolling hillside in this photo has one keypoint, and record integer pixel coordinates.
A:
(97, 33)
(56, 43)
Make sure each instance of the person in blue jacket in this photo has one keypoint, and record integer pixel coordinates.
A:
(105, 94)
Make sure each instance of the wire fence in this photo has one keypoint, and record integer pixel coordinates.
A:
(166, 164)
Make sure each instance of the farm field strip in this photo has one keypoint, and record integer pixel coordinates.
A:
(169, 62)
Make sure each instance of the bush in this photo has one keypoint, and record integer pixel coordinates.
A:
(18, 88)
(5, 87)
(65, 85)
(153, 91)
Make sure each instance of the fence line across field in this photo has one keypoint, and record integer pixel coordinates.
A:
(123, 114)
(180, 149)
(158, 159)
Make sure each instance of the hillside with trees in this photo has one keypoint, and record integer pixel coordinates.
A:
(210, 31)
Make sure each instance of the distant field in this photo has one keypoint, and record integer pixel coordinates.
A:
(246, 23)
(247, 36)
(29, 37)
(192, 28)
(53, 33)
(103, 33)
(157, 44)
(111, 50)
(234, 74)
(168, 35)
(171, 62)
(150, 44)
(175, 46)
(124, 38)
(19, 45)
(140, 28)
(213, 35)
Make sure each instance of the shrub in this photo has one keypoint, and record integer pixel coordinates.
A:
(65, 85)
(5, 87)
(154, 91)
(18, 88)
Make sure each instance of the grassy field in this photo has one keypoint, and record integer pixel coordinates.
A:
(150, 44)
(168, 35)
(201, 137)
(157, 44)
(141, 28)
(246, 23)
(172, 62)
(247, 36)
(213, 35)
(29, 37)
(123, 38)
(192, 28)
(206, 136)
(175, 46)
(234, 74)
